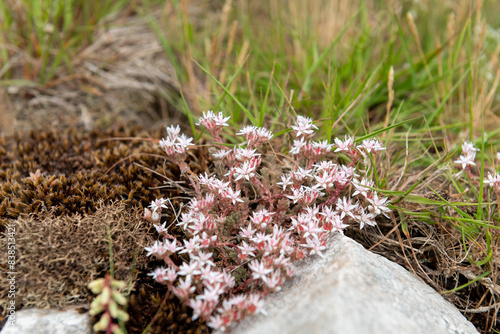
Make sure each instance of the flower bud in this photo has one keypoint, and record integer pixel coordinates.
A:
(118, 284)
(122, 315)
(119, 298)
(115, 329)
(105, 296)
(155, 217)
(102, 324)
(96, 285)
(147, 214)
(96, 307)
(113, 309)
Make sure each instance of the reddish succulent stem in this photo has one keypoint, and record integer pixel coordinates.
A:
(268, 194)
(248, 281)
(107, 285)
(226, 244)
(171, 263)
(471, 176)
(195, 185)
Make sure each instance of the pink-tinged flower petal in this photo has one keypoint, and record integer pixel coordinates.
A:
(259, 269)
(304, 127)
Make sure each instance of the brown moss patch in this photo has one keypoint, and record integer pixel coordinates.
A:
(56, 188)
(56, 257)
(70, 171)
(152, 305)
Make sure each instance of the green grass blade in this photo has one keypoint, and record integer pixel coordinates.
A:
(245, 110)
(468, 283)
(324, 54)
(377, 132)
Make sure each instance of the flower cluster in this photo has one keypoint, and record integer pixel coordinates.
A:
(246, 228)
(467, 159)
(494, 179)
(176, 146)
(213, 123)
(468, 155)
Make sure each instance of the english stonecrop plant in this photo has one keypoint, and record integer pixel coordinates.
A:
(253, 217)
(108, 303)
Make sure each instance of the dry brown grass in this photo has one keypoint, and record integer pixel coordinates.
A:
(58, 256)
(122, 75)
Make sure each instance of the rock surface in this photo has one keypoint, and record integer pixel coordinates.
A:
(354, 291)
(36, 321)
(349, 291)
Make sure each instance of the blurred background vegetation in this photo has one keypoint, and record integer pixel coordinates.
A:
(420, 75)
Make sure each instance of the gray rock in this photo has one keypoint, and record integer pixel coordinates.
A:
(354, 291)
(36, 321)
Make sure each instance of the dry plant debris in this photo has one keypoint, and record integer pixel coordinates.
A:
(59, 256)
(123, 75)
(434, 250)
(62, 189)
